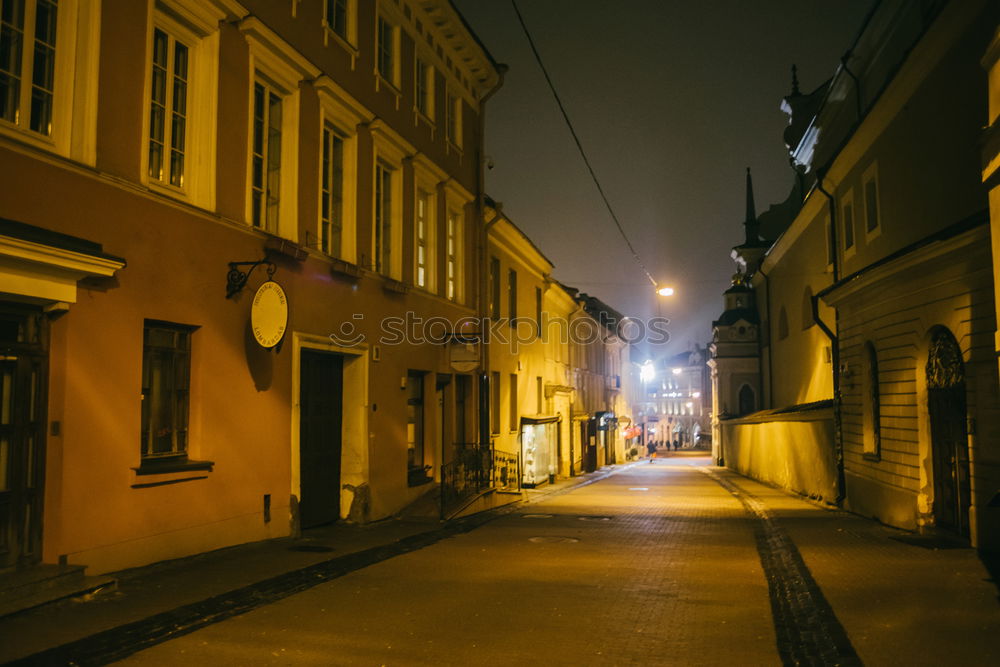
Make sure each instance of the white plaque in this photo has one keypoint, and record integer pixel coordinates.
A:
(269, 314)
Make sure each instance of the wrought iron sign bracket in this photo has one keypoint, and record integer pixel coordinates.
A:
(237, 278)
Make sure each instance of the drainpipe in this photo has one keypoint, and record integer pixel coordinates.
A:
(838, 433)
(484, 383)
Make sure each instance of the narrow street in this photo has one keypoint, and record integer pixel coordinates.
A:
(663, 563)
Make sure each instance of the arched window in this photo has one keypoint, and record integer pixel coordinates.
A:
(807, 308)
(747, 399)
(782, 324)
(871, 400)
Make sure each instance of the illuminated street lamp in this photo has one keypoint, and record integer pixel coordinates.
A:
(647, 373)
(665, 291)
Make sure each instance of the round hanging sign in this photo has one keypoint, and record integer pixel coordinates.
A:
(269, 314)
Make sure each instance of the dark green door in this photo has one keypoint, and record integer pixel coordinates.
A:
(22, 423)
(321, 401)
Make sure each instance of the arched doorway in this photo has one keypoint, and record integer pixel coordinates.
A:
(949, 438)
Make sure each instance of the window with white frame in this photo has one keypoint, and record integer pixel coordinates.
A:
(424, 88)
(27, 63)
(168, 109)
(181, 95)
(48, 74)
(387, 51)
(272, 169)
(337, 16)
(336, 230)
(265, 181)
(453, 249)
(382, 255)
(423, 226)
(847, 221)
(166, 383)
(332, 192)
(454, 120)
(869, 186)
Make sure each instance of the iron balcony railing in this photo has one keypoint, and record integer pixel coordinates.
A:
(473, 471)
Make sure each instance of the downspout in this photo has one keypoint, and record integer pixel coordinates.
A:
(838, 433)
(484, 378)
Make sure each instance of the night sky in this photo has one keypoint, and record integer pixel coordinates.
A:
(672, 101)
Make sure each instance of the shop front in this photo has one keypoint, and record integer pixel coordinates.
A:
(539, 449)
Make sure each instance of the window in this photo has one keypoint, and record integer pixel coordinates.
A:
(747, 400)
(273, 132)
(265, 194)
(872, 217)
(181, 92)
(386, 51)
(337, 17)
(847, 212)
(166, 381)
(424, 88)
(872, 404)
(48, 75)
(539, 395)
(421, 245)
(168, 110)
(454, 119)
(495, 288)
(514, 407)
(27, 63)
(453, 248)
(495, 402)
(332, 193)
(512, 295)
(383, 218)
(415, 420)
(538, 312)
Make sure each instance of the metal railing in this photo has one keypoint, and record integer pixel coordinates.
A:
(473, 471)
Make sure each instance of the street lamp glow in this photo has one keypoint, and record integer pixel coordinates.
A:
(647, 373)
(665, 291)
(677, 371)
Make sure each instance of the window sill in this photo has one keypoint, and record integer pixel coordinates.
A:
(395, 286)
(153, 467)
(381, 82)
(344, 268)
(331, 34)
(871, 458)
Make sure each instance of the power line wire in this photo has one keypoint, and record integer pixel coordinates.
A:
(576, 139)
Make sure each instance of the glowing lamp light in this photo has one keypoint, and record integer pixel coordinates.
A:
(678, 371)
(647, 373)
(665, 291)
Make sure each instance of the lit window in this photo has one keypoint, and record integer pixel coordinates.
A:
(332, 179)
(28, 63)
(422, 258)
(453, 267)
(383, 218)
(415, 421)
(265, 194)
(168, 109)
(166, 371)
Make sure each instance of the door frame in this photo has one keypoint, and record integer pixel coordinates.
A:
(355, 453)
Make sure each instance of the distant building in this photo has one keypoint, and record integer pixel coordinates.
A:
(876, 302)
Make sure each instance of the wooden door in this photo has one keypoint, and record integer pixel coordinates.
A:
(321, 408)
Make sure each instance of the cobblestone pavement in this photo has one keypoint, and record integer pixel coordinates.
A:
(674, 563)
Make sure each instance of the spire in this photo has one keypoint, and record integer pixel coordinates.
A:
(751, 221)
(795, 80)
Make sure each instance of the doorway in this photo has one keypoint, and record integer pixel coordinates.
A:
(22, 434)
(946, 406)
(321, 413)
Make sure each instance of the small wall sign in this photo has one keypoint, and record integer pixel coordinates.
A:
(269, 314)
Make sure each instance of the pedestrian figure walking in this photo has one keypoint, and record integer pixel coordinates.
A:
(651, 448)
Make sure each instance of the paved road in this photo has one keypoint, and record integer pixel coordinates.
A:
(673, 563)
